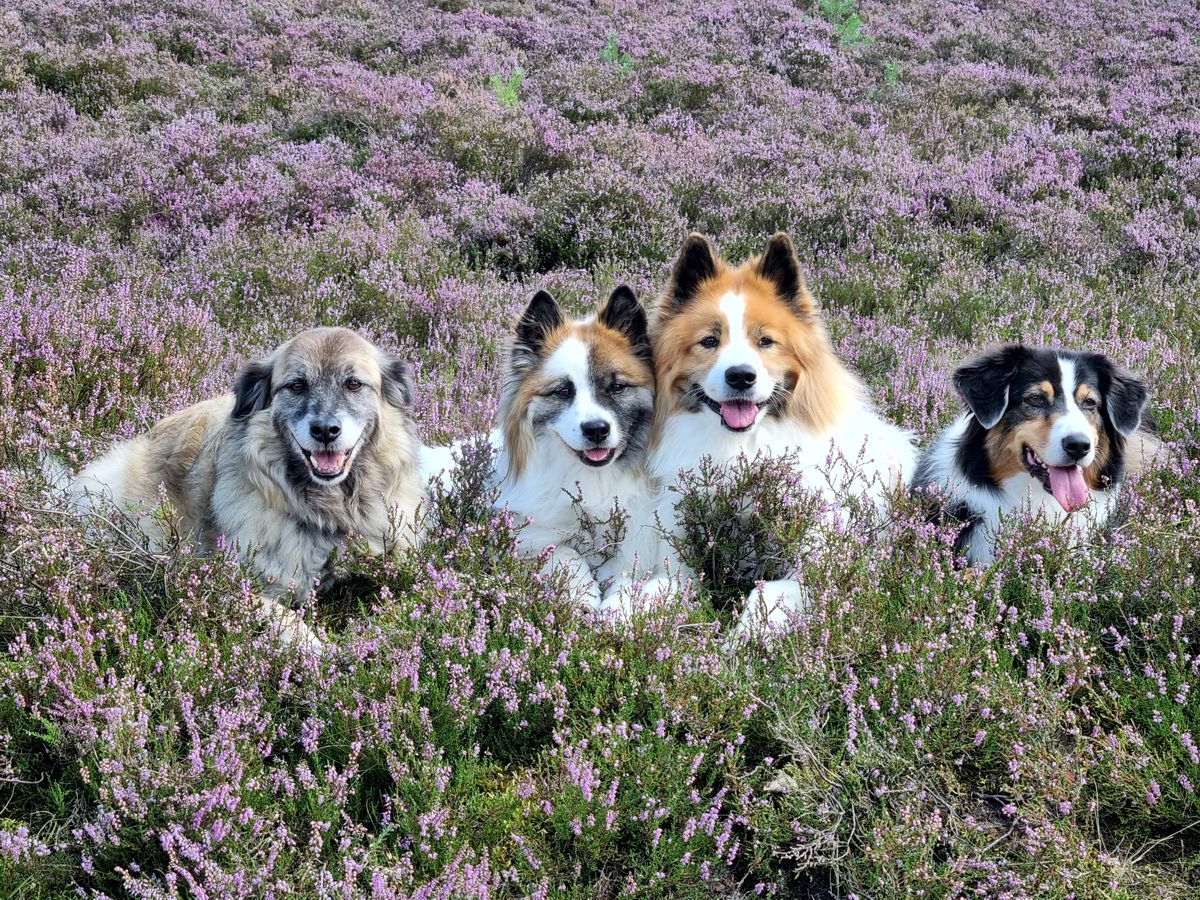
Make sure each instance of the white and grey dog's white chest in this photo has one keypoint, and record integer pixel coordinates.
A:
(561, 502)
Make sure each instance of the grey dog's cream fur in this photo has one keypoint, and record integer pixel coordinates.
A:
(233, 465)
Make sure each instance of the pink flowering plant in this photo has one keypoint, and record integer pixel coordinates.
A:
(182, 185)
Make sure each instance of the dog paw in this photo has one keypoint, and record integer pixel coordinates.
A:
(587, 592)
(290, 629)
(769, 610)
(625, 597)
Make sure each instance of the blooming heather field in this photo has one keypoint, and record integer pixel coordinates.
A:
(183, 184)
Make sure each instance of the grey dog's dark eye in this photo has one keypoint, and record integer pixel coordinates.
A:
(1088, 404)
(565, 392)
(297, 386)
(353, 384)
(618, 387)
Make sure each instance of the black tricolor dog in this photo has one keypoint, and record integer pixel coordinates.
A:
(1048, 429)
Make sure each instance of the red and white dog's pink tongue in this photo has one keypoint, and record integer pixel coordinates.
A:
(597, 454)
(1068, 487)
(328, 462)
(738, 413)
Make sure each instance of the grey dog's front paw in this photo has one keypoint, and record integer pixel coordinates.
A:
(290, 628)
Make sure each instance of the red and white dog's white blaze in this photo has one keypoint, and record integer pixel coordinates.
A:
(744, 366)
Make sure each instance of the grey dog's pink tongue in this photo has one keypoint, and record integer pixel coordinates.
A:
(1068, 487)
(738, 413)
(597, 454)
(328, 461)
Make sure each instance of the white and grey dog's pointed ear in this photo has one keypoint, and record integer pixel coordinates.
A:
(396, 381)
(984, 382)
(696, 264)
(1125, 397)
(252, 389)
(623, 312)
(540, 319)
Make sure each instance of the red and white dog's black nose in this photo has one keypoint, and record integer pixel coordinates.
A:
(740, 378)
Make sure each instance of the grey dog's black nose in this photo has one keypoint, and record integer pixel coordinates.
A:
(325, 432)
(1076, 446)
(740, 377)
(596, 430)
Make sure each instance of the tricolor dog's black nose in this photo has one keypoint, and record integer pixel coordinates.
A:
(1076, 446)
(596, 430)
(740, 378)
(325, 432)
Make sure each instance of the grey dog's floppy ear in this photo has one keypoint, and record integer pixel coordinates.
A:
(252, 389)
(396, 387)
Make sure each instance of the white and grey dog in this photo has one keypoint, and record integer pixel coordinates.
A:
(572, 431)
(315, 444)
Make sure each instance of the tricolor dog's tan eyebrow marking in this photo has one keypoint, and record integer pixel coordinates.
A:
(1042, 388)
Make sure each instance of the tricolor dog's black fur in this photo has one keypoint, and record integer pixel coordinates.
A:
(1050, 429)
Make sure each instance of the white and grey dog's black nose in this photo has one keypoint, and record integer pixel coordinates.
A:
(596, 430)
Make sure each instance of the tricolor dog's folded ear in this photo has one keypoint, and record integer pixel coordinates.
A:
(983, 383)
(252, 389)
(1125, 396)
(396, 386)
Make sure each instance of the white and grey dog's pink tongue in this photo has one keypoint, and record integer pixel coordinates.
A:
(597, 454)
(328, 461)
(738, 413)
(1068, 487)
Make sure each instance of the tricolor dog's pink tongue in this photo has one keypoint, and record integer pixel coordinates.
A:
(738, 413)
(1068, 487)
(328, 461)
(597, 454)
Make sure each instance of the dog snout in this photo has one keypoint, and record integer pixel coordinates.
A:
(596, 430)
(1076, 446)
(740, 378)
(326, 432)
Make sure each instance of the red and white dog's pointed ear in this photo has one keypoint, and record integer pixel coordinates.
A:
(780, 267)
(696, 264)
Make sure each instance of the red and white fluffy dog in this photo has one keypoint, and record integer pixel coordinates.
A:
(744, 366)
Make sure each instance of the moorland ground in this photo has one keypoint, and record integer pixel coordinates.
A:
(184, 184)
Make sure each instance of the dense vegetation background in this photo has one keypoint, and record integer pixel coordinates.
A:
(182, 184)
